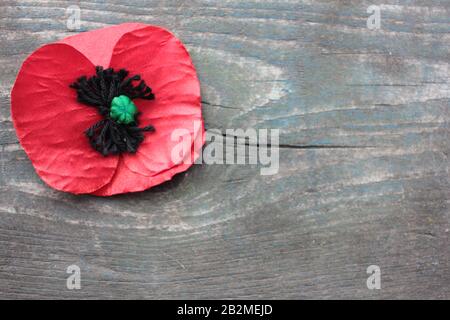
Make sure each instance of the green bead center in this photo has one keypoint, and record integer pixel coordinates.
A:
(123, 110)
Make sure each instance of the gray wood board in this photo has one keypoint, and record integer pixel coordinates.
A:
(364, 170)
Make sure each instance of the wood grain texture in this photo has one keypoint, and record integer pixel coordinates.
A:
(364, 169)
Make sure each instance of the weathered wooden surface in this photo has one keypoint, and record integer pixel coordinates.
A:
(311, 69)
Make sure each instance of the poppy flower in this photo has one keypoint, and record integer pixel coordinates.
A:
(95, 112)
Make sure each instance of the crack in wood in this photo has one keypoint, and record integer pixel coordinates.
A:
(292, 146)
(220, 105)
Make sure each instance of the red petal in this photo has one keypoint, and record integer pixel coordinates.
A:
(126, 180)
(163, 62)
(98, 45)
(129, 181)
(155, 153)
(50, 123)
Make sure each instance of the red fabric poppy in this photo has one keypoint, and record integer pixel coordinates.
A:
(51, 123)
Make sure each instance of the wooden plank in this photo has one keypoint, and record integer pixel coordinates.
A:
(364, 171)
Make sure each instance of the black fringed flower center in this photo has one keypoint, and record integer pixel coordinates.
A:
(112, 94)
